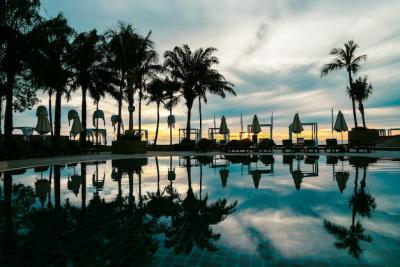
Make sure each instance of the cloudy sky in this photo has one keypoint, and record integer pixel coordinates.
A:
(272, 51)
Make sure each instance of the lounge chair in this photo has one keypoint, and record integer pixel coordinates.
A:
(333, 146)
(287, 144)
(310, 146)
(266, 145)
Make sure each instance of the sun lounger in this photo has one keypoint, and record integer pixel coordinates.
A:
(310, 146)
(287, 144)
(333, 146)
(266, 145)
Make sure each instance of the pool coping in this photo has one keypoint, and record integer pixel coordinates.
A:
(63, 160)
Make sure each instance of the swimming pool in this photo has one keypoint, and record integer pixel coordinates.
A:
(203, 211)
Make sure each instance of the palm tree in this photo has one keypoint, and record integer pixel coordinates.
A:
(17, 20)
(51, 62)
(117, 60)
(156, 94)
(362, 90)
(86, 59)
(145, 69)
(171, 100)
(345, 58)
(193, 71)
(214, 83)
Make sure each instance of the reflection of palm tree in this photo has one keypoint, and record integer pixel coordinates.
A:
(192, 225)
(361, 203)
(159, 204)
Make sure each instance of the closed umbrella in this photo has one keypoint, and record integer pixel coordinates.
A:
(171, 121)
(76, 124)
(114, 121)
(43, 124)
(340, 124)
(223, 128)
(296, 126)
(255, 126)
(341, 179)
(256, 175)
(224, 173)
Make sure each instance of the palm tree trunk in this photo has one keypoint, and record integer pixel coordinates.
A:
(57, 189)
(353, 100)
(57, 119)
(130, 178)
(170, 129)
(201, 124)
(140, 111)
(130, 110)
(158, 177)
(51, 113)
(353, 217)
(120, 96)
(84, 118)
(83, 174)
(189, 172)
(158, 123)
(362, 111)
(8, 115)
(189, 107)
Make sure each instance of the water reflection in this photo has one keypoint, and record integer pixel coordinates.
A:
(120, 231)
(361, 203)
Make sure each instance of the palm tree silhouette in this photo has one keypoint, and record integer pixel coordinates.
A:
(156, 94)
(90, 73)
(361, 203)
(17, 20)
(171, 100)
(361, 91)
(51, 62)
(345, 58)
(192, 225)
(193, 71)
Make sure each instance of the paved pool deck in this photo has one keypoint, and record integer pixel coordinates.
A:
(62, 160)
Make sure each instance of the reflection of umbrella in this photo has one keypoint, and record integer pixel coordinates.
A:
(223, 128)
(340, 124)
(256, 175)
(76, 124)
(341, 179)
(255, 126)
(296, 125)
(297, 178)
(74, 183)
(42, 188)
(224, 176)
(43, 125)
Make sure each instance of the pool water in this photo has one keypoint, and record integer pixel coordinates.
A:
(203, 211)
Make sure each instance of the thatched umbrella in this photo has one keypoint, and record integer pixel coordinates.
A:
(297, 176)
(223, 128)
(256, 175)
(114, 121)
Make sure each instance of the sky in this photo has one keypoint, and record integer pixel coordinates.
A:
(273, 52)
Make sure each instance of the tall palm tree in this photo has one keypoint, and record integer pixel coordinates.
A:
(156, 94)
(51, 63)
(145, 70)
(86, 60)
(17, 18)
(172, 97)
(214, 83)
(195, 74)
(362, 91)
(345, 58)
(117, 60)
